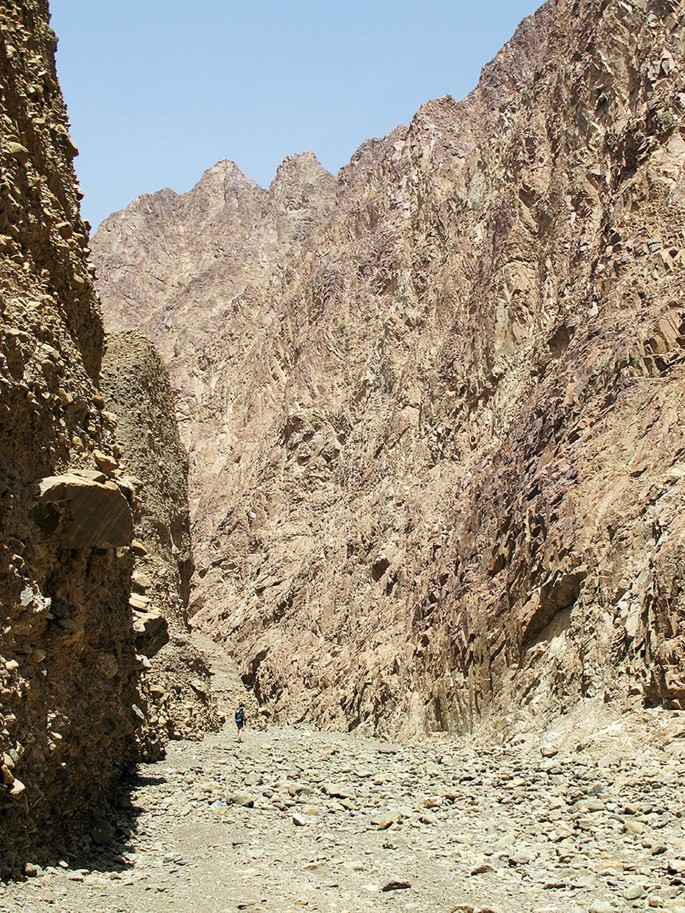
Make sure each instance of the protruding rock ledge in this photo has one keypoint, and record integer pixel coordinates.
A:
(87, 512)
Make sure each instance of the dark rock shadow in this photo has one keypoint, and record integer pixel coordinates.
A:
(112, 836)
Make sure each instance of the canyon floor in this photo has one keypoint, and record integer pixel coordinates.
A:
(293, 819)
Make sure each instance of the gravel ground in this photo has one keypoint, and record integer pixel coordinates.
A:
(293, 819)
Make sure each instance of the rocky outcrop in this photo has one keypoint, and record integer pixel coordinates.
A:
(68, 666)
(83, 510)
(136, 387)
(437, 430)
(70, 652)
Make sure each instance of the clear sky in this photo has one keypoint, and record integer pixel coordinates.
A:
(160, 90)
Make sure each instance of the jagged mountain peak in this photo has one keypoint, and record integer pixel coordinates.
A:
(299, 167)
(227, 178)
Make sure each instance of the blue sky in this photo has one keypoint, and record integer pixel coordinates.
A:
(159, 90)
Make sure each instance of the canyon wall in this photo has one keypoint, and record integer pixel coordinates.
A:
(435, 405)
(72, 715)
(136, 386)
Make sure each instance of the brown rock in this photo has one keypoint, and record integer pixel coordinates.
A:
(105, 462)
(151, 633)
(84, 513)
(431, 403)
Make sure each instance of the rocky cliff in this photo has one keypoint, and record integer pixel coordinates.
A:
(70, 655)
(435, 406)
(136, 386)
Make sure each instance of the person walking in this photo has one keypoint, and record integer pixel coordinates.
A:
(240, 721)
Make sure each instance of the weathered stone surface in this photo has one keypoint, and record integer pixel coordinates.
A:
(69, 698)
(67, 663)
(136, 387)
(437, 433)
(151, 633)
(83, 513)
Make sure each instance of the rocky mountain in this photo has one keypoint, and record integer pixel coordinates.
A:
(73, 713)
(435, 405)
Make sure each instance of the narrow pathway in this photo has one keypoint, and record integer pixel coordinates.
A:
(295, 820)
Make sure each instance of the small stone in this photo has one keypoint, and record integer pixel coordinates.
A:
(299, 820)
(46, 896)
(30, 870)
(310, 810)
(17, 788)
(601, 906)
(385, 822)
(104, 462)
(396, 884)
(241, 799)
(634, 892)
(431, 802)
(336, 791)
(522, 857)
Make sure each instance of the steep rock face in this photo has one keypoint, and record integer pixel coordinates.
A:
(189, 271)
(439, 444)
(68, 666)
(71, 713)
(136, 386)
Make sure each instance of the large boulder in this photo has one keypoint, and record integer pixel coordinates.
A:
(85, 512)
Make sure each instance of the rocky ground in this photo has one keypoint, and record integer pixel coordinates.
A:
(294, 819)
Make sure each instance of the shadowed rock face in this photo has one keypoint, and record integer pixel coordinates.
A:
(74, 638)
(84, 512)
(68, 667)
(435, 407)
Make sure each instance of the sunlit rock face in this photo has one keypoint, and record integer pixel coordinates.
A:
(435, 405)
(68, 667)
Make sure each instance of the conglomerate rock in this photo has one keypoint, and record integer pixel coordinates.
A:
(435, 407)
(70, 657)
(136, 386)
(68, 667)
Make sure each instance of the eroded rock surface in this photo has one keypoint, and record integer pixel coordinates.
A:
(68, 668)
(437, 430)
(136, 386)
(71, 711)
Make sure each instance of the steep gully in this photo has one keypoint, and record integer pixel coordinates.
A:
(435, 416)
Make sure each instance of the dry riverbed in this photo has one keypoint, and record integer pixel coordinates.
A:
(297, 820)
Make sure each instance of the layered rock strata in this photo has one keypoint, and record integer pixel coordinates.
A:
(136, 386)
(438, 438)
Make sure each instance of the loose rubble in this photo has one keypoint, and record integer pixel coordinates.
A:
(220, 826)
(296, 819)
